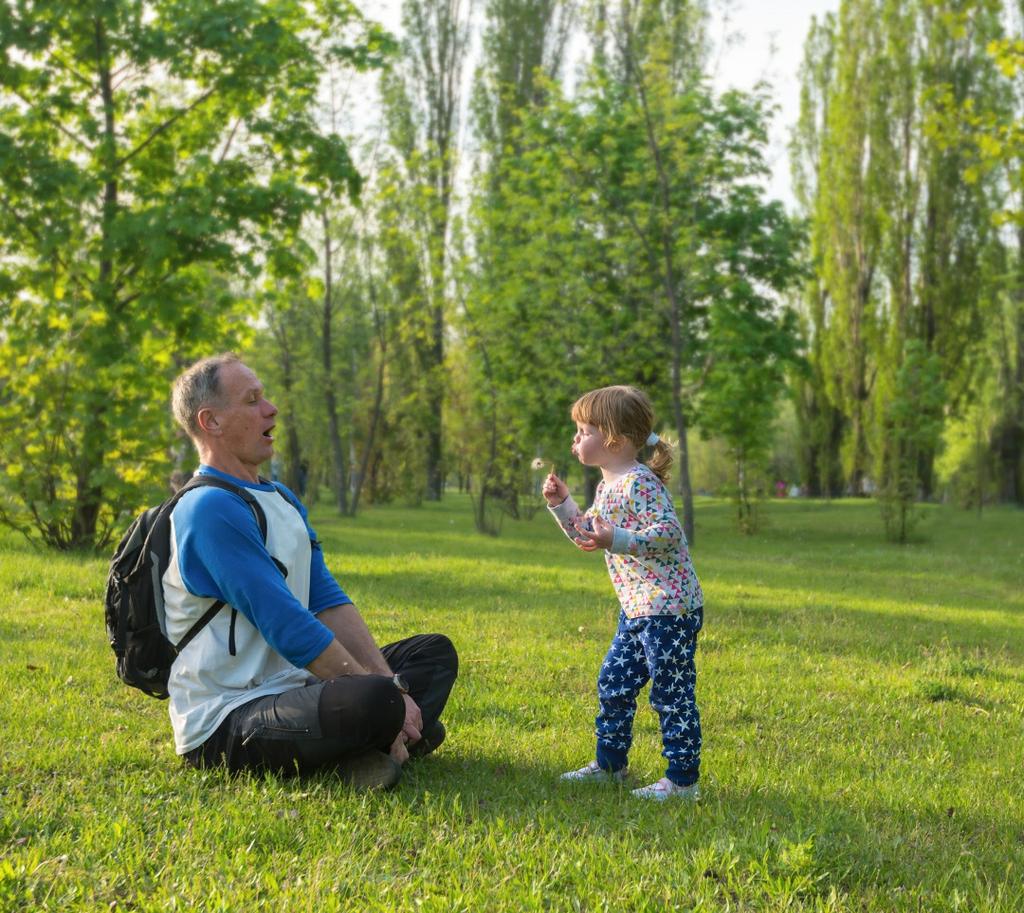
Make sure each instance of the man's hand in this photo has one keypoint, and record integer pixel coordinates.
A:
(398, 750)
(411, 731)
(601, 537)
(412, 728)
(555, 491)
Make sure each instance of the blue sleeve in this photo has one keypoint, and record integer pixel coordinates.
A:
(221, 555)
(324, 591)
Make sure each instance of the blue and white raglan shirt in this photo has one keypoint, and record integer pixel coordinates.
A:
(217, 552)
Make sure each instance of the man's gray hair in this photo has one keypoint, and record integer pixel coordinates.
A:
(196, 387)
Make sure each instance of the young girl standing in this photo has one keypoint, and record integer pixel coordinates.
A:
(633, 520)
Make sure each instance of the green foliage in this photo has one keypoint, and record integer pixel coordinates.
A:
(987, 133)
(911, 425)
(144, 150)
(422, 101)
(623, 237)
(860, 707)
(900, 236)
(751, 350)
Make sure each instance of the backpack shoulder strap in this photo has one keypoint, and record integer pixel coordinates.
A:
(203, 480)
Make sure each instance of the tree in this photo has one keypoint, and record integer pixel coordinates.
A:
(821, 422)
(623, 215)
(144, 145)
(751, 349)
(912, 424)
(989, 132)
(422, 100)
(523, 46)
(898, 238)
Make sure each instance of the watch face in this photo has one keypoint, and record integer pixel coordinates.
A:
(400, 683)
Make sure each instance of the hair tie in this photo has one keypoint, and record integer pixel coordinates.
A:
(652, 439)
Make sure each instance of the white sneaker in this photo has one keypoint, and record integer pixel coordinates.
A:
(594, 773)
(666, 789)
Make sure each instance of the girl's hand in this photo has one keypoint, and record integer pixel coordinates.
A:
(555, 491)
(601, 537)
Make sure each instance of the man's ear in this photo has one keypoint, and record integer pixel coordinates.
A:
(207, 420)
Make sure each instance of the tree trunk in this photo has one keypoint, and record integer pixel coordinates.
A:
(293, 452)
(378, 398)
(685, 486)
(340, 481)
(435, 468)
(1007, 440)
(89, 494)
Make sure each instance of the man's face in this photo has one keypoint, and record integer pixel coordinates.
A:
(244, 417)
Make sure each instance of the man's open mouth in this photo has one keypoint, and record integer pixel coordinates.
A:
(267, 433)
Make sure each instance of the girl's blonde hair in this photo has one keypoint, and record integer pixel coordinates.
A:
(624, 413)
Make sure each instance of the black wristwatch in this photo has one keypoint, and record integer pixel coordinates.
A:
(400, 683)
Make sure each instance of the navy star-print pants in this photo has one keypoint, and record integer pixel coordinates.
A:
(659, 649)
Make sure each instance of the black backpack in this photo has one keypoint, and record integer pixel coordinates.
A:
(134, 598)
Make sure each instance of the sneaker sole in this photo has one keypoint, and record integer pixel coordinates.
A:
(604, 777)
(691, 796)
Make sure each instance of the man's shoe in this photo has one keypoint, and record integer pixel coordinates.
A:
(429, 741)
(666, 789)
(370, 770)
(594, 773)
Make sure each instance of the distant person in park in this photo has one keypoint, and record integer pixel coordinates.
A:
(286, 677)
(662, 605)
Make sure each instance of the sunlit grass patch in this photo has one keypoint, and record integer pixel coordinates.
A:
(861, 704)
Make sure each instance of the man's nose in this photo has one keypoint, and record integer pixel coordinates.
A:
(271, 409)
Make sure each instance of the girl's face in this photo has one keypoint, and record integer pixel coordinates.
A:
(588, 446)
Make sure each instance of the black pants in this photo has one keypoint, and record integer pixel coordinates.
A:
(317, 726)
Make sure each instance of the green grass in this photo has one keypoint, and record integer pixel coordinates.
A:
(862, 706)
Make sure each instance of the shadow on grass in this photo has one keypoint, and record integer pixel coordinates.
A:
(870, 847)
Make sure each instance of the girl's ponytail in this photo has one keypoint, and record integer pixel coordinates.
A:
(660, 460)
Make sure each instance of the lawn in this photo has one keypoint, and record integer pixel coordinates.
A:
(862, 706)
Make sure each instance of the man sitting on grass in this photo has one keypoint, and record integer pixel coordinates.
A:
(286, 676)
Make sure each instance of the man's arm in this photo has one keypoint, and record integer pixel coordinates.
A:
(353, 646)
(352, 635)
(334, 661)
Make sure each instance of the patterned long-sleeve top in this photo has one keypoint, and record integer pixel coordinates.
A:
(649, 561)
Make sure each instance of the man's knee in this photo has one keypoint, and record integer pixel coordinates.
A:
(363, 705)
(441, 647)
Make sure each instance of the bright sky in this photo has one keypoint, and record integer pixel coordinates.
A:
(771, 47)
(767, 43)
